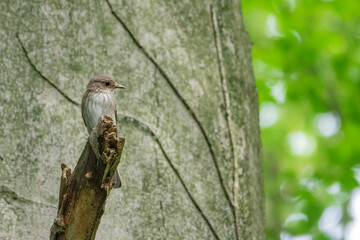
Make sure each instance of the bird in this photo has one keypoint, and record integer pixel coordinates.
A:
(97, 101)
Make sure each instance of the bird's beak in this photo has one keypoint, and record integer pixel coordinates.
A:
(119, 86)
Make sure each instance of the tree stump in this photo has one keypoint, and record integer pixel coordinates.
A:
(83, 193)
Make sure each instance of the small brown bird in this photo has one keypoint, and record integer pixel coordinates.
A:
(97, 101)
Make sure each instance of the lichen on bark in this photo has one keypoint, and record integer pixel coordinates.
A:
(170, 41)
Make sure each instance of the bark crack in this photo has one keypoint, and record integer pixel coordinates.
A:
(42, 76)
(227, 112)
(156, 150)
(11, 196)
(181, 99)
(148, 130)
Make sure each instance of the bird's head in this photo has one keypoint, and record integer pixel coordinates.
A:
(103, 83)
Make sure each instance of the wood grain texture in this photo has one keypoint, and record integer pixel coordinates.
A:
(83, 193)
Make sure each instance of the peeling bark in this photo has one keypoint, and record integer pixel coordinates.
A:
(83, 193)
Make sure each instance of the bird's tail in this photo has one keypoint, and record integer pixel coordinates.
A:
(116, 180)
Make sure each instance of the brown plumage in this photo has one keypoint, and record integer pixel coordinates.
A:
(97, 101)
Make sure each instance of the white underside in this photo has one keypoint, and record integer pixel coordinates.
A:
(98, 105)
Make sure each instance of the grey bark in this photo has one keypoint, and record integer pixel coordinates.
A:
(191, 167)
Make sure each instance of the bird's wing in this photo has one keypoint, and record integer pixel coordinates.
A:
(115, 112)
(115, 116)
(83, 106)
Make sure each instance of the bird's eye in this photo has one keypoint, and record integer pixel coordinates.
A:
(107, 84)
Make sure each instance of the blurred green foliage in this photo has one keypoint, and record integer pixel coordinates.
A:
(306, 58)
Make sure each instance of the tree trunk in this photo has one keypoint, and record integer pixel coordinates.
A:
(191, 168)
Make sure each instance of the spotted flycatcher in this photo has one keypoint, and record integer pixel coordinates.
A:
(97, 101)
